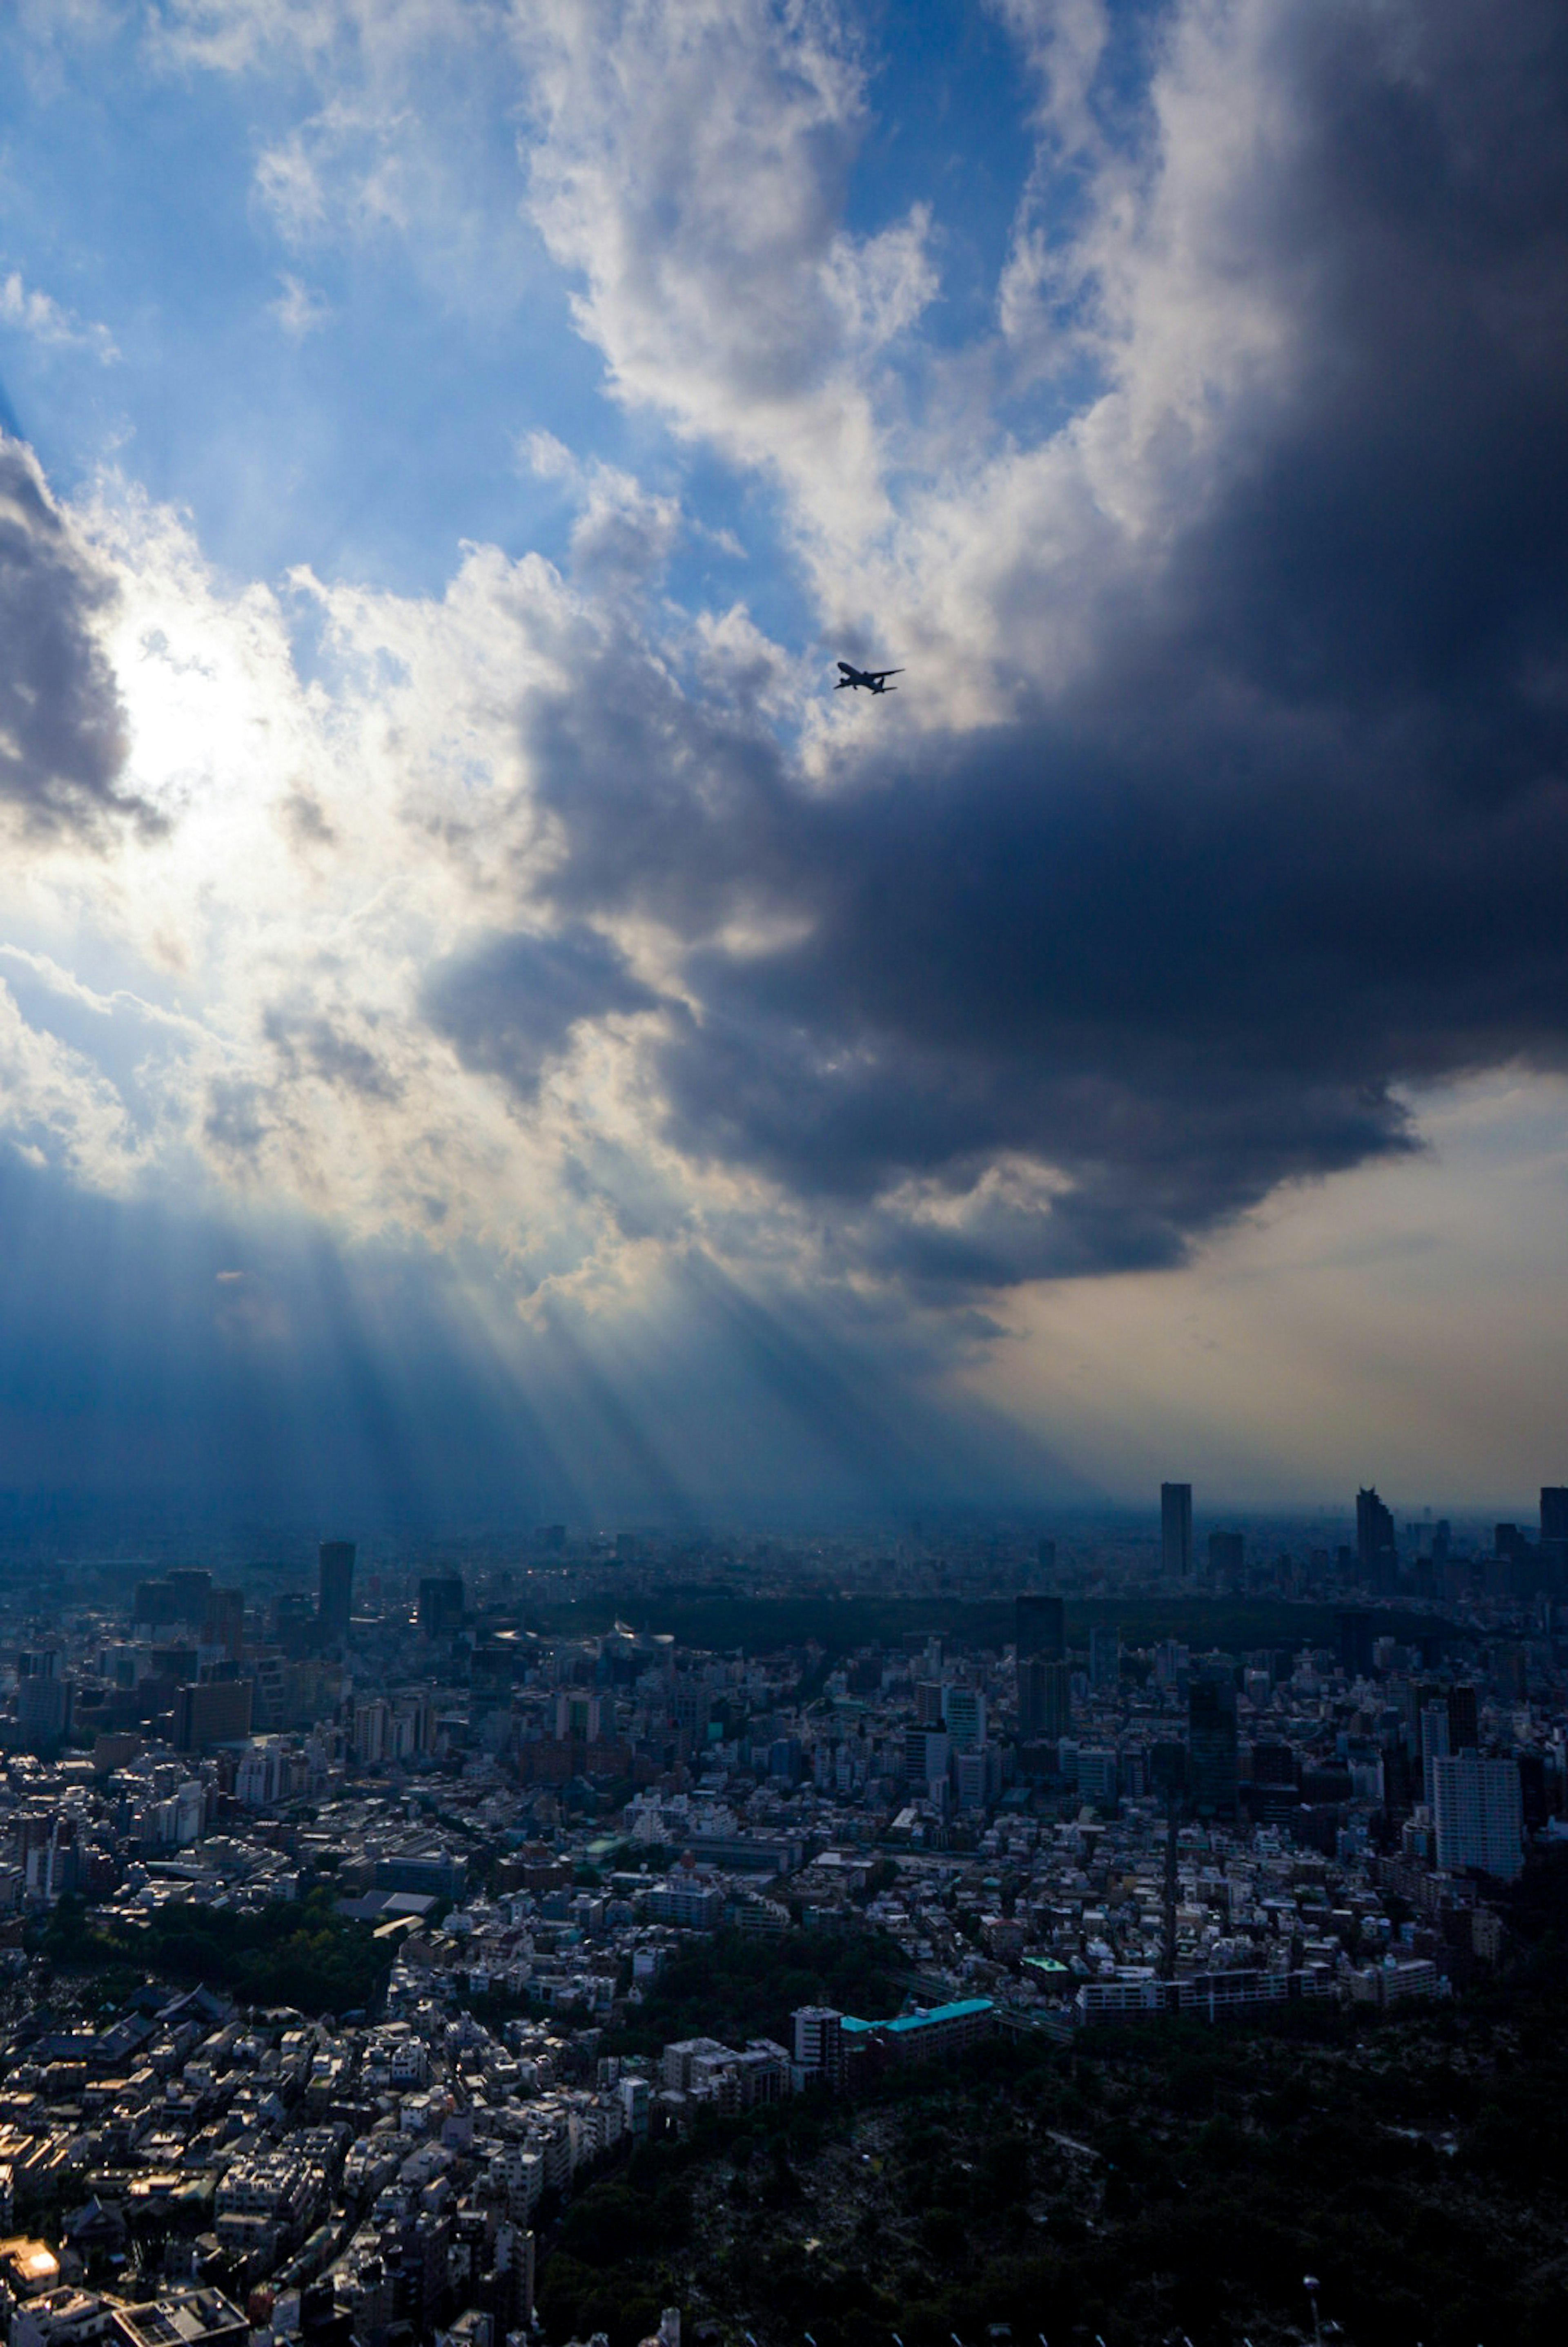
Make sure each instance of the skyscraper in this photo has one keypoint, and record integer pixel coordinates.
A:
(1479, 1813)
(964, 1717)
(1227, 1562)
(1040, 1626)
(1175, 1530)
(1044, 1700)
(1375, 1552)
(1211, 1742)
(1555, 1512)
(441, 1598)
(335, 1601)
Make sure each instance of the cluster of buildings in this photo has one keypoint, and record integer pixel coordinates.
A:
(1049, 1829)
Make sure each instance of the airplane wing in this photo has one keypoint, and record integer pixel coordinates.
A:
(887, 672)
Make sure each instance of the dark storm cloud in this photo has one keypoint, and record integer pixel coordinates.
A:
(1298, 837)
(509, 1006)
(62, 734)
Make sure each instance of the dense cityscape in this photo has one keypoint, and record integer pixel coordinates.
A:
(355, 1924)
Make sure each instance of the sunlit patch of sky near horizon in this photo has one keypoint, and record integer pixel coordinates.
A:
(443, 887)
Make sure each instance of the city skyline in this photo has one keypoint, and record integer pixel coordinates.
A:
(489, 1032)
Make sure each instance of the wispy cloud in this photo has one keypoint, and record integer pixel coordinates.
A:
(37, 314)
(300, 309)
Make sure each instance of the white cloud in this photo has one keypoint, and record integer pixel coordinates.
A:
(39, 315)
(300, 309)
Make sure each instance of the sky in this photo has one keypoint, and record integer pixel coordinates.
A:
(487, 1031)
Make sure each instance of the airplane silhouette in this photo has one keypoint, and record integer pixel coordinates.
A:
(875, 680)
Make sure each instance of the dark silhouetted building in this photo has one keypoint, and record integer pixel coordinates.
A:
(441, 1604)
(1175, 1530)
(155, 1605)
(335, 1602)
(1211, 1742)
(224, 1622)
(1463, 1722)
(1226, 1560)
(1040, 1626)
(1044, 1700)
(1376, 1556)
(192, 1586)
(1353, 1642)
(214, 1711)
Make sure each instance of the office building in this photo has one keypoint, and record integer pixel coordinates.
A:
(1212, 1742)
(818, 2042)
(1175, 1530)
(964, 1717)
(1040, 1626)
(223, 1624)
(1435, 1747)
(1555, 1512)
(335, 1601)
(1227, 1561)
(1104, 1658)
(441, 1599)
(214, 1711)
(1478, 1812)
(1353, 1642)
(1376, 1557)
(1044, 1700)
(191, 1585)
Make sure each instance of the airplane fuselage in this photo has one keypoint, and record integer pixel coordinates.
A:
(874, 680)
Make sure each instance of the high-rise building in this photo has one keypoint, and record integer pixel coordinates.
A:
(1227, 1561)
(1175, 1530)
(1464, 1719)
(1478, 1812)
(1434, 1748)
(224, 1623)
(1353, 1642)
(1211, 1742)
(335, 1601)
(192, 1586)
(1040, 1626)
(214, 1711)
(1044, 1700)
(1376, 1555)
(964, 1717)
(441, 1600)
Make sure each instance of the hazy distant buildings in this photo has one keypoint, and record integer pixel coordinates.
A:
(335, 1599)
(1175, 1530)
(1479, 1813)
